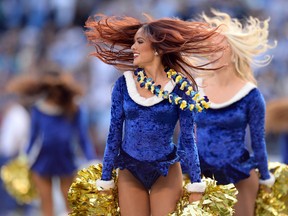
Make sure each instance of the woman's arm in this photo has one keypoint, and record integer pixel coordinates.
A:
(115, 132)
(34, 129)
(256, 121)
(188, 150)
(84, 137)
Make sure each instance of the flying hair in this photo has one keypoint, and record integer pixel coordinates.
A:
(174, 39)
(247, 41)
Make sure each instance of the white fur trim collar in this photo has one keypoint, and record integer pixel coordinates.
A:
(48, 108)
(137, 98)
(238, 96)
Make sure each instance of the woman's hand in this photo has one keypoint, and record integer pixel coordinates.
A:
(266, 188)
(105, 192)
(195, 196)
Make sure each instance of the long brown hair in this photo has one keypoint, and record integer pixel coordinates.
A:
(174, 39)
(55, 85)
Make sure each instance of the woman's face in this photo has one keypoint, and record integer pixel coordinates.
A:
(142, 49)
(225, 56)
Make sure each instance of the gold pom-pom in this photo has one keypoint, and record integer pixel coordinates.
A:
(185, 209)
(17, 180)
(274, 201)
(86, 199)
(217, 200)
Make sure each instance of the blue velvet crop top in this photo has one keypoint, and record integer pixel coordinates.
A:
(144, 127)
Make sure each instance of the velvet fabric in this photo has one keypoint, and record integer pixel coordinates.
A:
(145, 133)
(53, 136)
(221, 139)
(283, 140)
(146, 172)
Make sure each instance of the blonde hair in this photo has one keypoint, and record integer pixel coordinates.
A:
(246, 41)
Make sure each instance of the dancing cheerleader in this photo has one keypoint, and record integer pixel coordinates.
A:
(155, 91)
(235, 103)
(56, 120)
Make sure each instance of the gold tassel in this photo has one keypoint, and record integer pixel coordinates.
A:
(217, 200)
(274, 201)
(17, 180)
(86, 199)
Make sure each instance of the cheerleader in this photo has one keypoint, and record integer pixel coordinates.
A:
(154, 92)
(235, 103)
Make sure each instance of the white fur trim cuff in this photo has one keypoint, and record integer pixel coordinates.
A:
(105, 185)
(196, 187)
(268, 182)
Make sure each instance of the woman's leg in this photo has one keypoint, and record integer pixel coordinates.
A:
(248, 189)
(44, 189)
(65, 183)
(166, 191)
(133, 196)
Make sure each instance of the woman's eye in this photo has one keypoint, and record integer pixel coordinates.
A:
(140, 42)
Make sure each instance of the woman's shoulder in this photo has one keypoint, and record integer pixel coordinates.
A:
(255, 95)
(122, 79)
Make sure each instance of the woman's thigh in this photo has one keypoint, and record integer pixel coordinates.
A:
(44, 188)
(166, 191)
(248, 189)
(133, 196)
(65, 184)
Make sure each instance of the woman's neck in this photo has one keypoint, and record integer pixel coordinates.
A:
(156, 72)
(51, 102)
(225, 76)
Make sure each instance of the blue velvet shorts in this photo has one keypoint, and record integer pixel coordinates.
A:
(232, 172)
(146, 172)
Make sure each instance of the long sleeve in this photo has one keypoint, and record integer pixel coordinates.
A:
(115, 132)
(257, 123)
(84, 137)
(34, 131)
(187, 145)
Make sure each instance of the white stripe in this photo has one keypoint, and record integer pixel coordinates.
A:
(35, 150)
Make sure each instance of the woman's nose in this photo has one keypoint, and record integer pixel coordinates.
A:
(133, 47)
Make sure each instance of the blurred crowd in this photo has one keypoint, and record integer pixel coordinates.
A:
(39, 34)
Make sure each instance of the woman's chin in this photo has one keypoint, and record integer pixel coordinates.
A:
(135, 63)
